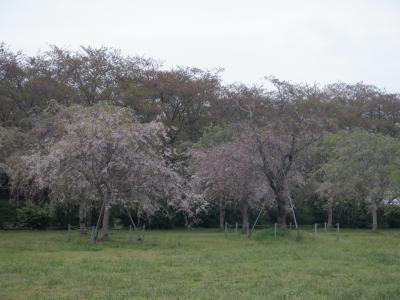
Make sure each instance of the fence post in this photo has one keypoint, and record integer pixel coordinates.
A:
(69, 232)
(337, 231)
(236, 225)
(226, 228)
(275, 225)
(93, 234)
(315, 230)
(325, 226)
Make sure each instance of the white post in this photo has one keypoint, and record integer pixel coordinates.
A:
(236, 225)
(226, 228)
(315, 230)
(337, 231)
(69, 232)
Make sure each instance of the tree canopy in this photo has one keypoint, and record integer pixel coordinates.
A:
(100, 130)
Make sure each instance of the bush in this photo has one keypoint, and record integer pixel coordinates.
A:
(8, 214)
(63, 214)
(392, 215)
(33, 216)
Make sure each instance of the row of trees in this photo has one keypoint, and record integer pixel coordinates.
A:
(99, 129)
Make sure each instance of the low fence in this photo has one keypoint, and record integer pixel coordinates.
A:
(249, 228)
(228, 229)
(93, 232)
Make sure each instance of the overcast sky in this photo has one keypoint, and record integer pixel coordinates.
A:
(301, 41)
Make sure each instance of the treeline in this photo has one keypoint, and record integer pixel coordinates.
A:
(93, 136)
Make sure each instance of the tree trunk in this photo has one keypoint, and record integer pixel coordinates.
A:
(106, 222)
(374, 212)
(82, 218)
(330, 216)
(221, 217)
(245, 216)
(281, 211)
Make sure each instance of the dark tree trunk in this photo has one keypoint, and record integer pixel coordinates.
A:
(106, 222)
(82, 218)
(330, 216)
(245, 216)
(278, 180)
(281, 210)
(221, 216)
(374, 212)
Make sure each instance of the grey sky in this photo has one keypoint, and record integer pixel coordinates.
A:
(301, 41)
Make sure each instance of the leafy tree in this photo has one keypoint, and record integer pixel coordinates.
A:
(360, 165)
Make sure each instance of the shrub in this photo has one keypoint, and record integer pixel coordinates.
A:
(8, 214)
(33, 216)
(392, 215)
(62, 214)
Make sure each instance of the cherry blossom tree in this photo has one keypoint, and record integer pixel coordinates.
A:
(103, 154)
(226, 174)
(282, 124)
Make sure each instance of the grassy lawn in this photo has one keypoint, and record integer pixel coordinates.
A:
(201, 264)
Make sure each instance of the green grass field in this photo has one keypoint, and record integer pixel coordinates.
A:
(201, 264)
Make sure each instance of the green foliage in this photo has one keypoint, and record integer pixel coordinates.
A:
(62, 214)
(8, 214)
(34, 216)
(392, 215)
(360, 169)
(215, 135)
(305, 214)
(395, 183)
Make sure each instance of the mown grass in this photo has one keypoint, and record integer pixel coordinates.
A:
(201, 264)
